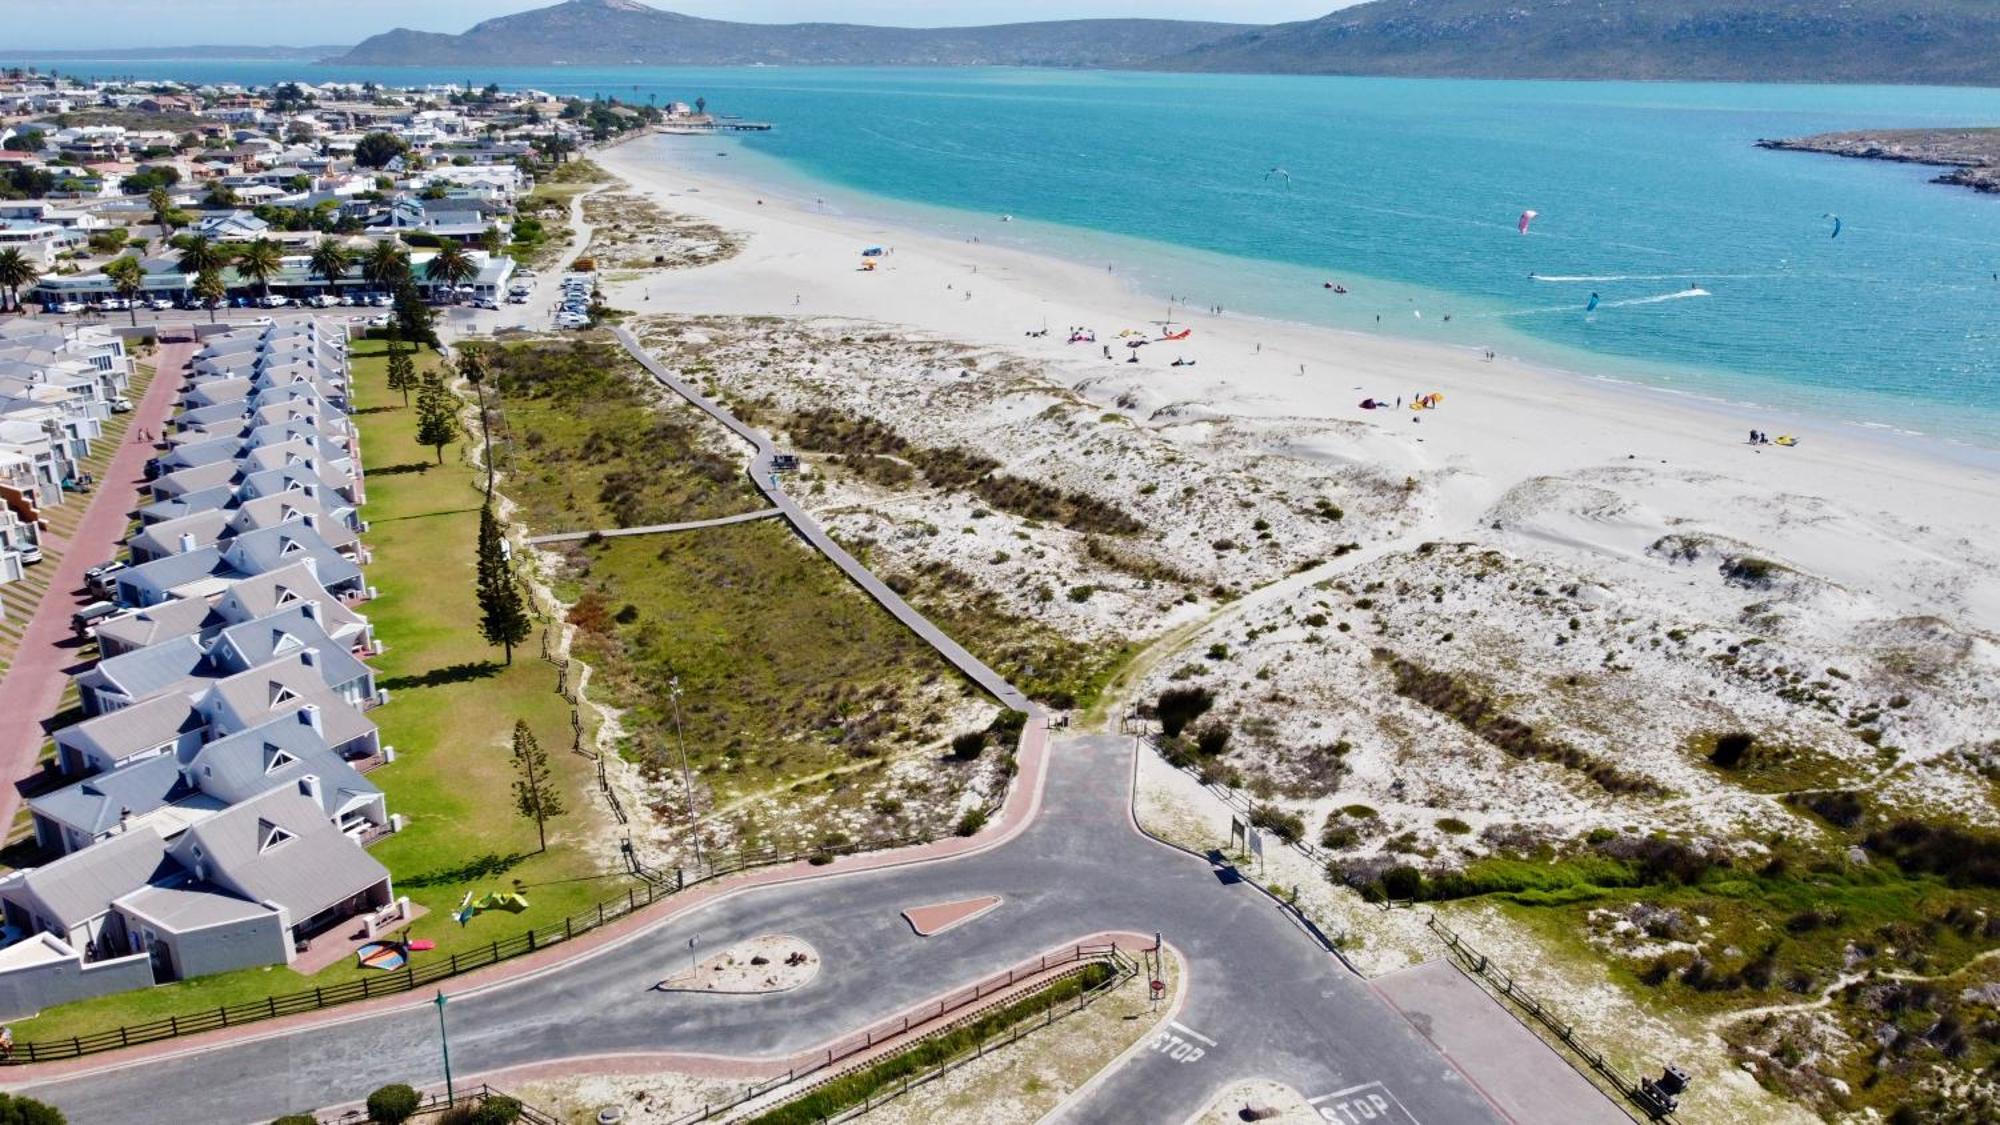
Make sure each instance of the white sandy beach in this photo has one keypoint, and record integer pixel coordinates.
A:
(1920, 533)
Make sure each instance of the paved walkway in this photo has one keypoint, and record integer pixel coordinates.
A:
(1511, 1065)
(654, 529)
(767, 482)
(32, 691)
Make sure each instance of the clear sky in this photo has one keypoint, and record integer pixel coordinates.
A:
(70, 24)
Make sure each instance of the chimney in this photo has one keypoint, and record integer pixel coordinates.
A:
(309, 787)
(309, 715)
(311, 610)
(310, 658)
(187, 542)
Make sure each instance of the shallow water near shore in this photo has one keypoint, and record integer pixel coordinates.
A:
(1712, 259)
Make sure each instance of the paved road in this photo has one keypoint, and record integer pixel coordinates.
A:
(656, 529)
(1263, 999)
(33, 686)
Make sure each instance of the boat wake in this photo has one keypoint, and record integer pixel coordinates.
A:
(1629, 302)
(1559, 278)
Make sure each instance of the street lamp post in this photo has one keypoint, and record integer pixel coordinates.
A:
(687, 775)
(450, 1096)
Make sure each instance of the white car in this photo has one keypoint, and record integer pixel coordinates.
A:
(263, 321)
(572, 320)
(71, 307)
(121, 406)
(381, 300)
(160, 304)
(380, 321)
(275, 301)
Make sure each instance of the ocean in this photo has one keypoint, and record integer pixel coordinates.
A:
(1712, 260)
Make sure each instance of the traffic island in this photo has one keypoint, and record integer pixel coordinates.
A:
(929, 921)
(764, 964)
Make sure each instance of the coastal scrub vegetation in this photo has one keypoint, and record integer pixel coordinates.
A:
(795, 688)
(589, 446)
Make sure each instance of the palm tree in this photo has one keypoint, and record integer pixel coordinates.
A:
(451, 266)
(200, 256)
(258, 261)
(16, 271)
(386, 265)
(128, 277)
(162, 205)
(330, 260)
(209, 286)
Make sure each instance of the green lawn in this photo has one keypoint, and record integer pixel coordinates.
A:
(452, 710)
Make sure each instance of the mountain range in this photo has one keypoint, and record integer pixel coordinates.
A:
(1947, 42)
(619, 32)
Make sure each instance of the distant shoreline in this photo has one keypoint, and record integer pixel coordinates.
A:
(1973, 155)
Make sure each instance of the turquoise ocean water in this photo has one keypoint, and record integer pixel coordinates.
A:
(1712, 259)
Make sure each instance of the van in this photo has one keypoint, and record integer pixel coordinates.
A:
(102, 580)
(84, 619)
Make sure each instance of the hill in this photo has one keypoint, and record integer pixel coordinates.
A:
(615, 32)
(1944, 42)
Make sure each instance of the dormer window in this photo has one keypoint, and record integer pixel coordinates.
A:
(281, 694)
(270, 836)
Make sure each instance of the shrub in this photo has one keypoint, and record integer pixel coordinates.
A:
(1730, 749)
(1358, 812)
(1841, 808)
(1453, 826)
(971, 822)
(1081, 593)
(1218, 651)
(1402, 882)
(968, 746)
(1286, 826)
(393, 1104)
(1179, 706)
(1960, 857)
(1334, 835)
(17, 1110)
(1212, 738)
(296, 1119)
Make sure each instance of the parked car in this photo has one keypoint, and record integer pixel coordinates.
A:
(84, 619)
(262, 322)
(102, 580)
(30, 552)
(161, 304)
(276, 301)
(69, 308)
(485, 303)
(320, 301)
(380, 320)
(121, 405)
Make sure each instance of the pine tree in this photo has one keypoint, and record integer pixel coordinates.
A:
(437, 415)
(413, 316)
(503, 612)
(535, 792)
(402, 372)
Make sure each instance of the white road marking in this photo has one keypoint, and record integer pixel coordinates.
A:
(1358, 1105)
(1181, 1050)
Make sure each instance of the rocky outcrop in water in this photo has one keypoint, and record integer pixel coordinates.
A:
(1973, 155)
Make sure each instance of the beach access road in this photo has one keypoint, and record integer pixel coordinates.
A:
(1263, 998)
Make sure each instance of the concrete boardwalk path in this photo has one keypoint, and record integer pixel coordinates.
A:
(766, 481)
(33, 687)
(654, 529)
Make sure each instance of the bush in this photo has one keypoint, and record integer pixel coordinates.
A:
(17, 1110)
(1213, 738)
(968, 746)
(1286, 826)
(1179, 706)
(972, 822)
(1404, 882)
(1730, 749)
(297, 1119)
(393, 1104)
(1451, 825)
(1335, 836)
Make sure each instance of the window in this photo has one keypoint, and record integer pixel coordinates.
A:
(270, 836)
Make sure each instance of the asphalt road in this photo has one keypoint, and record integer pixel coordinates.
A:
(1264, 1000)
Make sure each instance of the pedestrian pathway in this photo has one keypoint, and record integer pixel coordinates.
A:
(84, 536)
(654, 529)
